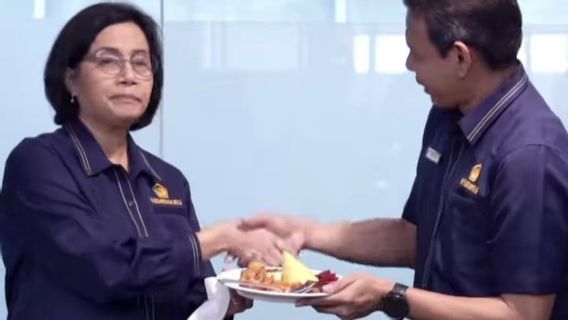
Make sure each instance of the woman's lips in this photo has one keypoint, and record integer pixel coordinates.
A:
(127, 98)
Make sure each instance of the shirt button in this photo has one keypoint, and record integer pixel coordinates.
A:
(130, 203)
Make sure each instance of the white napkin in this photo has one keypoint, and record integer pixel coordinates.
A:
(217, 303)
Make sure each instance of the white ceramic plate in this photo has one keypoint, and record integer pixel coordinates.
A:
(270, 296)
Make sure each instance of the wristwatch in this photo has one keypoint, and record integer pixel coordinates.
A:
(394, 304)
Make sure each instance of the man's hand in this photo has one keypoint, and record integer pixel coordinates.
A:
(246, 245)
(293, 230)
(352, 297)
(256, 245)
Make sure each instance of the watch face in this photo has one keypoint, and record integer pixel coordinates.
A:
(395, 306)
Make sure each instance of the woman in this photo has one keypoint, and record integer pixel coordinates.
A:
(92, 226)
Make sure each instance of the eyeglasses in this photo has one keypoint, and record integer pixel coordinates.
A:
(113, 63)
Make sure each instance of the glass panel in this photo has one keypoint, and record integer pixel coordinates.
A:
(391, 52)
(289, 117)
(549, 53)
(247, 10)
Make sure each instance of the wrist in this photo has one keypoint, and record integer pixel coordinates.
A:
(310, 232)
(216, 239)
(394, 304)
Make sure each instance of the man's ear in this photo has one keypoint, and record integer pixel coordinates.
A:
(71, 81)
(463, 58)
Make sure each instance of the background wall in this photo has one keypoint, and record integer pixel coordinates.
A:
(285, 105)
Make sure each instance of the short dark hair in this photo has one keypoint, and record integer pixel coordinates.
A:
(73, 43)
(492, 27)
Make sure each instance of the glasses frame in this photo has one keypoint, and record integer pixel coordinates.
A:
(97, 56)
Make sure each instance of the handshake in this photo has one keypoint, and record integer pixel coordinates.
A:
(261, 238)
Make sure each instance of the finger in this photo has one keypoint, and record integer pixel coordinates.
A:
(255, 222)
(238, 299)
(327, 301)
(339, 297)
(329, 310)
(256, 256)
(275, 256)
(338, 286)
(245, 257)
(294, 243)
(242, 263)
(270, 260)
(290, 245)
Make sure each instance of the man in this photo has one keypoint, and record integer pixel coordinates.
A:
(486, 223)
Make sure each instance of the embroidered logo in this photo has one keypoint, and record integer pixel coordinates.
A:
(163, 197)
(161, 191)
(475, 172)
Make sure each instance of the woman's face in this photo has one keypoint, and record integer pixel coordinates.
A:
(113, 84)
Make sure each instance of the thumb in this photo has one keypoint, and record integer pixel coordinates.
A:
(337, 286)
(258, 221)
(250, 225)
(286, 245)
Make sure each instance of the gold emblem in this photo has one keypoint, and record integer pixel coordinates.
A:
(163, 197)
(469, 186)
(475, 173)
(161, 191)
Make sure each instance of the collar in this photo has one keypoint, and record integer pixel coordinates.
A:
(94, 161)
(474, 123)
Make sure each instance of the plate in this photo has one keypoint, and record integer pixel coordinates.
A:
(269, 296)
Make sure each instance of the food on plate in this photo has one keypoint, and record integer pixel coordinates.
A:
(294, 271)
(294, 276)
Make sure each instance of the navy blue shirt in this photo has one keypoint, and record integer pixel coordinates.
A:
(490, 199)
(83, 238)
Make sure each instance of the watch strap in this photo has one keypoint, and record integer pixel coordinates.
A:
(397, 293)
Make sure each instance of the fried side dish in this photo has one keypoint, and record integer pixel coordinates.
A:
(270, 278)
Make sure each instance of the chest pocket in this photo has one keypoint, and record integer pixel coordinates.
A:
(173, 218)
(468, 212)
(170, 209)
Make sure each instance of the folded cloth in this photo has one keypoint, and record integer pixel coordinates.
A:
(217, 303)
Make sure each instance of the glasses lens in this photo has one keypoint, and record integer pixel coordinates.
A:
(109, 64)
(142, 66)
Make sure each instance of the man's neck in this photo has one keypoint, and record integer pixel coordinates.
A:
(484, 84)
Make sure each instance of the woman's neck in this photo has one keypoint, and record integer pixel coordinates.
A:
(113, 141)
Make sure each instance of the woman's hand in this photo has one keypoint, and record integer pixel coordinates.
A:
(256, 245)
(246, 245)
(293, 230)
(238, 304)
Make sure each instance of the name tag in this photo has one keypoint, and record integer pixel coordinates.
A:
(433, 155)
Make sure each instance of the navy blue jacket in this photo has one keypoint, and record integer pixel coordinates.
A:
(83, 238)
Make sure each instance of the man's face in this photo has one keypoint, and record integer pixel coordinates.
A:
(435, 73)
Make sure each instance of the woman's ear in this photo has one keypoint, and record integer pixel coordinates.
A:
(463, 58)
(71, 81)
